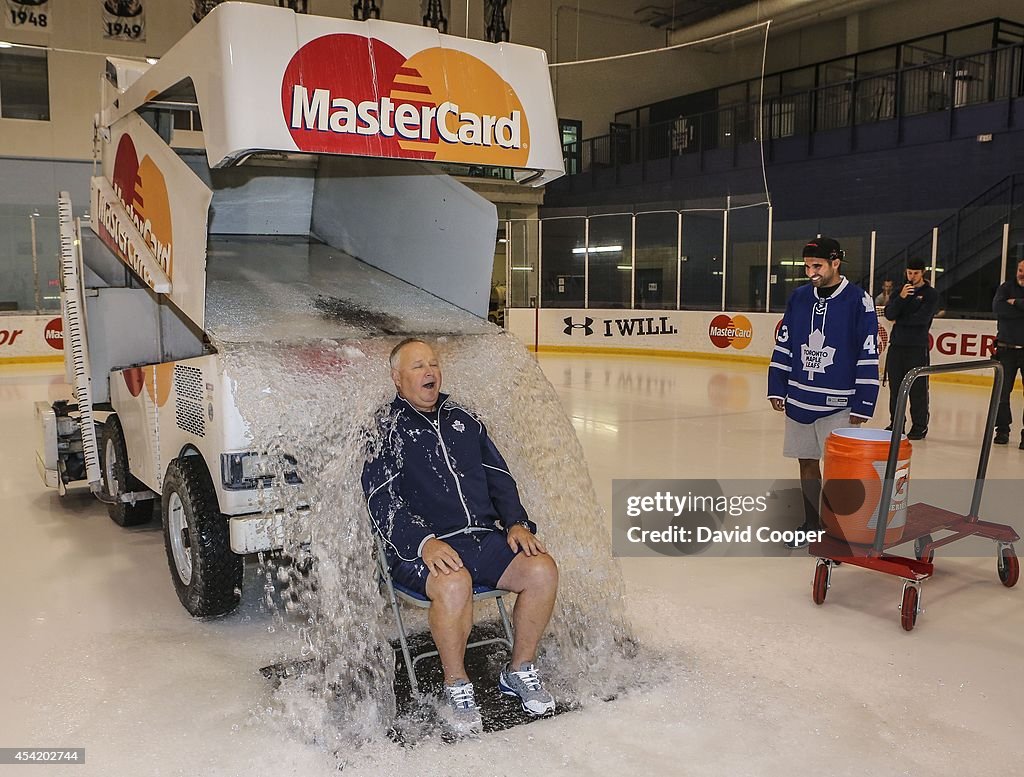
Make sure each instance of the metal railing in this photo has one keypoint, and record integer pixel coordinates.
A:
(965, 242)
(943, 84)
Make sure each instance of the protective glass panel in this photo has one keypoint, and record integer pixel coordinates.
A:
(521, 250)
(747, 266)
(562, 262)
(701, 265)
(610, 261)
(657, 260)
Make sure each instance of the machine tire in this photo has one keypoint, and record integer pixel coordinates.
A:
(118, 479)
(196, 537)
(908, 610)
(819, 588)
(1008, 567)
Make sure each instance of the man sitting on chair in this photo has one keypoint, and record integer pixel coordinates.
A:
(448, 510)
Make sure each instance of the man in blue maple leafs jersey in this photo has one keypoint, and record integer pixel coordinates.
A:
(824, 369)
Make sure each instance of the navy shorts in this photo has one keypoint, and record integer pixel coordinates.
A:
(485, 555)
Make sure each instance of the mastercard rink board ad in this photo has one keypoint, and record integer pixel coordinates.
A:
(736, 517)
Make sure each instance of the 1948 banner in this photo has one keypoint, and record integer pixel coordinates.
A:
(28, 15)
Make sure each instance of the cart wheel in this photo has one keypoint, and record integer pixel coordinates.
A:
(919, 545)
(820, 586)
(1008, 566)
(908, 610)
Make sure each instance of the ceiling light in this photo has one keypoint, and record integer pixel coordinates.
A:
(597, 249)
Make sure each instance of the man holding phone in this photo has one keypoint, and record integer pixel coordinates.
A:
(911, 312)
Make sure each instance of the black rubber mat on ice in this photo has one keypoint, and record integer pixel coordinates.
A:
(483, 664)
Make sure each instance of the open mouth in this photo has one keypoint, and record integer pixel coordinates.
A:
(429, 385)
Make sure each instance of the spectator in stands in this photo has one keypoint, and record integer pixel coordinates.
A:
(882, 299)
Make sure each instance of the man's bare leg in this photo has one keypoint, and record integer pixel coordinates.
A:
(535, 581)
(451, 618)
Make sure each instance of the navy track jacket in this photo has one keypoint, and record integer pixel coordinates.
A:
(436, 479)
(826, 354)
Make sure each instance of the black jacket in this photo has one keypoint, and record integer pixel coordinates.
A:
(912, 317)
(1010, 318)
(437, 479)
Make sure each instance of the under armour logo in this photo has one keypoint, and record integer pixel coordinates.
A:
(585, 326)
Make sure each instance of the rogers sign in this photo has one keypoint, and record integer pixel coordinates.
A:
(962, 344)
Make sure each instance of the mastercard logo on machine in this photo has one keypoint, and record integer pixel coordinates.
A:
(349, 94)
(141, 187)
(157, 380)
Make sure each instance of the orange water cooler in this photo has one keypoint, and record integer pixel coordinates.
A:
(855, 460)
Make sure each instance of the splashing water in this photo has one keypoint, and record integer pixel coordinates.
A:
(315, 400)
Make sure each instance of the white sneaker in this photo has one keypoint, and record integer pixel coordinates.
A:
(526, 686)
(462, 713)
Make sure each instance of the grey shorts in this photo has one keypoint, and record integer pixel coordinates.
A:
(807, 441)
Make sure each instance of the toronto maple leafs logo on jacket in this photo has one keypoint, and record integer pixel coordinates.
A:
(815, 355)
(826, 354)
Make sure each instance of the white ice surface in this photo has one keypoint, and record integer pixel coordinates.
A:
(99, 654)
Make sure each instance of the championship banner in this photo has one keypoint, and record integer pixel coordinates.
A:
(28, 15)
(124, 20)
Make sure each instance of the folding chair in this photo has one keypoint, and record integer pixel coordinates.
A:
(396, 592)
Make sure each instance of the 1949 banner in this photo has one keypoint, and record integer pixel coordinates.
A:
(124, 19)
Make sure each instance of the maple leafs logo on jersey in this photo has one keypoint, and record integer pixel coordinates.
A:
(816, 356)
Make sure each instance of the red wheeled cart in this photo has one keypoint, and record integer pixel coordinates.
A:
(923, 520)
